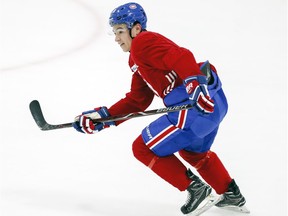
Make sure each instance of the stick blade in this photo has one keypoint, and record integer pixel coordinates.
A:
(37, 114)
(38, 117)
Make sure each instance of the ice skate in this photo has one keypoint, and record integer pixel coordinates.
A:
(199, 197)
(233, 199)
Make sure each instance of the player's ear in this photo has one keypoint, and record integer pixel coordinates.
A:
(137, 28)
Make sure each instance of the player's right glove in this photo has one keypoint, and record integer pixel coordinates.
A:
(196, 87)
(84, 124)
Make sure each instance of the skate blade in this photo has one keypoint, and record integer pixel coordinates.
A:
(242, 209)
(209, 202)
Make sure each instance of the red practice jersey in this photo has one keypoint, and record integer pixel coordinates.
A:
(158, 65)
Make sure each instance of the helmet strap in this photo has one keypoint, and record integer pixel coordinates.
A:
(130, 33)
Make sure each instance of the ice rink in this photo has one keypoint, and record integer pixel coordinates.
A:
(60, 53)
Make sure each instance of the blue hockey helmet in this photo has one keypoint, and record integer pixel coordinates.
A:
(128, 14)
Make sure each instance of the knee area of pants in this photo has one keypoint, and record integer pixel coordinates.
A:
(139, 148)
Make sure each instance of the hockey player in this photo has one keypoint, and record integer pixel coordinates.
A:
(162, 68)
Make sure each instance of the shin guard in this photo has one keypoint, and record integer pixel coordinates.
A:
(169, 168)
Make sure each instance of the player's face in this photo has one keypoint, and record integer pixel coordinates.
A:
(122, 37)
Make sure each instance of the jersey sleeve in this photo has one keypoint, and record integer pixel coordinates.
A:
(137, 100)
(153, 50)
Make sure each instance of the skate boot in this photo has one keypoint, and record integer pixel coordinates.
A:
(197, 192)
(233, 199)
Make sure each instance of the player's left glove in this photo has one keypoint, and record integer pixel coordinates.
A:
(84, 124)
(196, 87)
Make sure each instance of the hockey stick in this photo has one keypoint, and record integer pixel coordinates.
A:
(38, 116)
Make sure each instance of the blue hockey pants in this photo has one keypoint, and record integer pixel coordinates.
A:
(187, 129)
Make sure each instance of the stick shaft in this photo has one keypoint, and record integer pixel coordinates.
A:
(38, 116)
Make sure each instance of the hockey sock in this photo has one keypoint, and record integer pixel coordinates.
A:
(210, 167)
(169, 168)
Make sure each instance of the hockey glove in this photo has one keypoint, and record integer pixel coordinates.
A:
(84, 124)
(196, 87)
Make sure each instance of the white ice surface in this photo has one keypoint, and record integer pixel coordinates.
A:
(59, 52)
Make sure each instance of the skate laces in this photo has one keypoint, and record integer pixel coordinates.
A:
(195, 188)
(189, 197)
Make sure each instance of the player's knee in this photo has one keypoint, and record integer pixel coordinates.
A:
(141, 152)
(137, 146)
